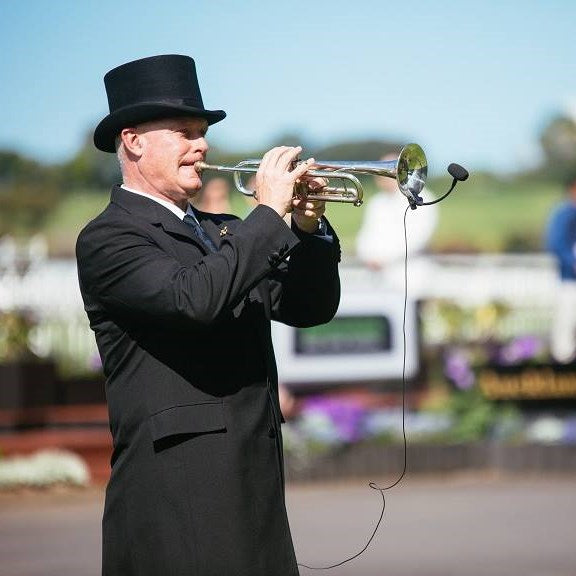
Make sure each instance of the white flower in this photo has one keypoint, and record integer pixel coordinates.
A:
(43, 469)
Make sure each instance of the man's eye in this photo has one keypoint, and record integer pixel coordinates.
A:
(193, 135)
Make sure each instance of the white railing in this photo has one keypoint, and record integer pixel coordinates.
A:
(49, 290)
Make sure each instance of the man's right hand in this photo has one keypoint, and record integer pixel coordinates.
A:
(276, 178)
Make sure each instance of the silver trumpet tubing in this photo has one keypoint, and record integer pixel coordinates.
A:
(409, 170)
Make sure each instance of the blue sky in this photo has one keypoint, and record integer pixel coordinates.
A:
(472, 82)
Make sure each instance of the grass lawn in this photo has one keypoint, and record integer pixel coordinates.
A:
(495, 217)
(481, 214)
(65, 221)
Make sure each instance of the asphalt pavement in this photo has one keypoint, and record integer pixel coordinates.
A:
(439, 526)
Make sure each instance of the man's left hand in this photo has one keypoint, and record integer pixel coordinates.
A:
(306, 212)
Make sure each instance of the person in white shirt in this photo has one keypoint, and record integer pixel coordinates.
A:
(380, 241)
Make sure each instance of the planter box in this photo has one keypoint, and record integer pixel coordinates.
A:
(27, 384)
(81, 391)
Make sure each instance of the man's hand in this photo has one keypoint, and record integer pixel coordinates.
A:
(277, 176)
(306, 213)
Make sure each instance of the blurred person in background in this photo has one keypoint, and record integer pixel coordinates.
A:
(214, 197)
(561, 242)
(380, 240)
(181, 303)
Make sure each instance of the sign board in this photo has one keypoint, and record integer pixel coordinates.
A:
(529, 382)
(364, 342)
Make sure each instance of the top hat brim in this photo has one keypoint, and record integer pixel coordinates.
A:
(107, 130)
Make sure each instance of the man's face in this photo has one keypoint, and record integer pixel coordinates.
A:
(170, 148)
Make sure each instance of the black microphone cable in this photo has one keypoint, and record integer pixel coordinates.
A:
(459, 174)
(373, 485)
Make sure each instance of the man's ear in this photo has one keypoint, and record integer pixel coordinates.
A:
(133, 142)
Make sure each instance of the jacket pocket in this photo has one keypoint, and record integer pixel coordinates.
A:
(188, 419)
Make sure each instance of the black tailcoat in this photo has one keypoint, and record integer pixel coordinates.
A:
(197, 484)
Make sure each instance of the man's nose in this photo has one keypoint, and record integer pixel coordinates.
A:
(201, 145)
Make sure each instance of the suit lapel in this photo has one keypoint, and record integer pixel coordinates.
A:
(217, 227)
(214, 226)
(154, 213)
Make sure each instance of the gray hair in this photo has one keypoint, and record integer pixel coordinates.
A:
(120, 152)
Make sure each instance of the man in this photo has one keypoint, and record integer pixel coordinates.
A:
(182, 317)
(561, 242)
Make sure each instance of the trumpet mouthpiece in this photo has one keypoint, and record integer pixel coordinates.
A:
(200, 166)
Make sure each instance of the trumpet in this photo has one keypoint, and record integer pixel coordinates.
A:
(409, 169)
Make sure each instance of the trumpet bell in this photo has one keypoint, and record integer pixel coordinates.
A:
(411, 172)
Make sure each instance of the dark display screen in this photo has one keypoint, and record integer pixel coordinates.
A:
(345, 335)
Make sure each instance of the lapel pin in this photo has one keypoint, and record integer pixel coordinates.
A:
(223, 231)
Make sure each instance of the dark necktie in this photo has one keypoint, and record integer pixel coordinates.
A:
(199, 231)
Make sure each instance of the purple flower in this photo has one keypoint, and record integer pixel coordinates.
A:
(570, 431)
(346, 415)
(520, 350)
(457, 369)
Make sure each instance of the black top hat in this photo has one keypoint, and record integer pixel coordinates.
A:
(151, 89)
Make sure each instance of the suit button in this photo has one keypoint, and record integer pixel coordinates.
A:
(271, 432)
